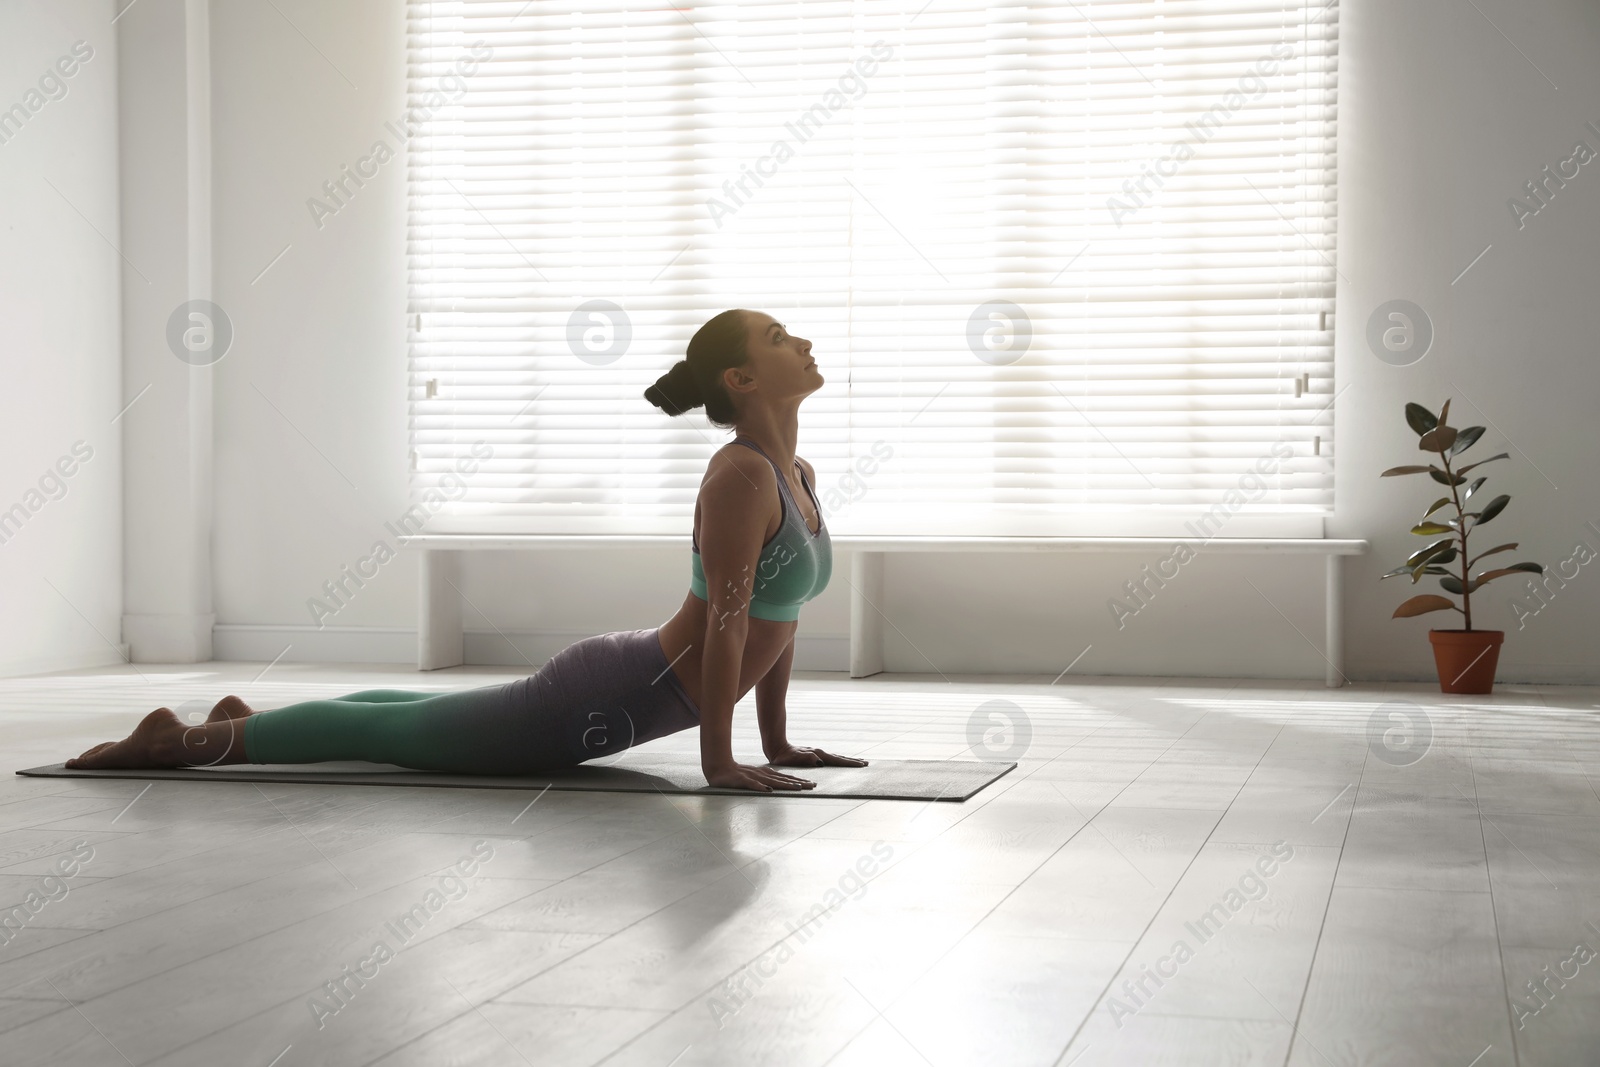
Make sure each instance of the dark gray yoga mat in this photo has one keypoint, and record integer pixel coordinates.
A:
(881, 779)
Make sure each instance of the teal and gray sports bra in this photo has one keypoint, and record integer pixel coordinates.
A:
(795, 564)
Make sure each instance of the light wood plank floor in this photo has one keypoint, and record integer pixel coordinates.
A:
(1178, 872)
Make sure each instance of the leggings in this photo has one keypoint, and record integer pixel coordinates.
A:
(595, 698)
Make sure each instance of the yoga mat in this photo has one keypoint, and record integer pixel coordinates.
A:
(881, 779)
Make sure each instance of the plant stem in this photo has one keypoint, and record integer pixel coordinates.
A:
(1461, 529)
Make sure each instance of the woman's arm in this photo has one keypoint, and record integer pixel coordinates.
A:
(772, 713)
(734, 510)
(771, 707)
(772, 710)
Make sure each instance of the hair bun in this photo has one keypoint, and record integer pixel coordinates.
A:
(676, 391)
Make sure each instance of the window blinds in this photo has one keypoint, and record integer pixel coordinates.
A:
(1068, 266)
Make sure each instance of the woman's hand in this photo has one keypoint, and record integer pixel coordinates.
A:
(759, 779)
(800, 756)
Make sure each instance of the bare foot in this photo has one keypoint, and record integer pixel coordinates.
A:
(230, 707)
(156, 742)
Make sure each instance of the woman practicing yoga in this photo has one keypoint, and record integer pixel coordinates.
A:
(760, 550)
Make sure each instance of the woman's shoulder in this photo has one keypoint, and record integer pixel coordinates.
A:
(741, 469)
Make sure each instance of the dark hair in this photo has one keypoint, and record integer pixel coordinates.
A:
(697, 378)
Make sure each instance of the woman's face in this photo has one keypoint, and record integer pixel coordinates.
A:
(779, 361)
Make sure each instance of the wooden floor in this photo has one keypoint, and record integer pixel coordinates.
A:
(1178, 872)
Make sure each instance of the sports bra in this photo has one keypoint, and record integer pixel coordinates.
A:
(795, 564)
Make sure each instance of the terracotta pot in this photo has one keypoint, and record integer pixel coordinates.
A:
(1466, 659)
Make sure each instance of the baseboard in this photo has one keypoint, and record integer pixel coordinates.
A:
(106, 656)
(1520, 674)
(264, 643)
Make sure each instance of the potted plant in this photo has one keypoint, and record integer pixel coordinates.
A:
(1465, 658)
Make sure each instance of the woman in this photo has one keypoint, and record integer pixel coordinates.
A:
(760, 550)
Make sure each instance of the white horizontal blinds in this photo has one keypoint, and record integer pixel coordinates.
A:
(547, 176)
(893, 181)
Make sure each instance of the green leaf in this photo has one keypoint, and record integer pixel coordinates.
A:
(1444, 414)
(1494, 507)
(1421, 555)
(1426, 528)
(1466, 439)
(1443, 479)
(1420, 418)
(1447, 556)
(1438, 439)
(1451, 584)
(1481, 462)
(1437, 504)
(1421, 605)
(1492, 551)
(1515, 568)
(1416, 573)
(1477, 484)
(1409, 469)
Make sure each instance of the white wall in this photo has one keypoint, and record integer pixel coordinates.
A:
(164, 97)
(311, 436)
(1441, 120)
(61, 571)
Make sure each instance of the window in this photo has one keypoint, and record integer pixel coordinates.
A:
(1068, 267)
